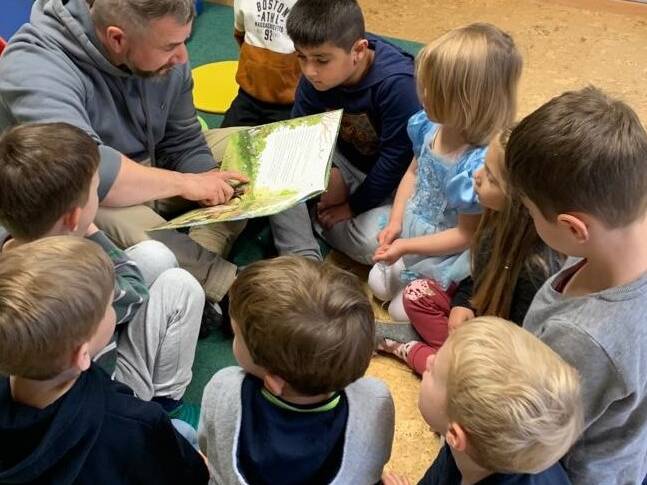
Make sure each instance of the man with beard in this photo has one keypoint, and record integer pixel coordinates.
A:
(118, 70)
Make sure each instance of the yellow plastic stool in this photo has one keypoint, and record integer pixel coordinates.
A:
(214, 86)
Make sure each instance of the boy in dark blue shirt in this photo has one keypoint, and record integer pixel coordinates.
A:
(507, 405)
(373, 81)
(62, 420)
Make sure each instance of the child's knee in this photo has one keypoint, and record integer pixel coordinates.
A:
(182, 284)
(424, 296)
(153, 258)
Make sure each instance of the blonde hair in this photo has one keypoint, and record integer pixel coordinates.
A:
(309, 323)
(517, 400)
(53, 294)
(468, 79)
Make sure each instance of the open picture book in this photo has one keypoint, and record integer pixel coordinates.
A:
(287, 163)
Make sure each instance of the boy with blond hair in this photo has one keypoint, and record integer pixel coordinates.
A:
(304, 337)
(580, 164)
(49, 178)
(507, 405)
(62, 420)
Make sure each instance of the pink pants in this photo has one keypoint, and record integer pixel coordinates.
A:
(427, 307)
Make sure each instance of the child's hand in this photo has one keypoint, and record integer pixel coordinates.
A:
(334, 215)
(206, 462)
(459, 315)
(390, 478)
(389, 253)
(389, 234)
(92, 228)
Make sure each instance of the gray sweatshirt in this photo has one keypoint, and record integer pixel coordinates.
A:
(604, 336)
(368, 438)
(55, 69)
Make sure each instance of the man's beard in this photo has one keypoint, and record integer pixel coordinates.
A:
(161, 72)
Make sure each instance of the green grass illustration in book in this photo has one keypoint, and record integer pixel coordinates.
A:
(287, 162)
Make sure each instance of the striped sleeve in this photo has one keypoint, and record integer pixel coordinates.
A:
(130, 288)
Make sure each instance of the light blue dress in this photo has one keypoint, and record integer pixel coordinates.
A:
(444, 189)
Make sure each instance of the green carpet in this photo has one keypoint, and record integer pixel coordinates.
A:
(213, 40)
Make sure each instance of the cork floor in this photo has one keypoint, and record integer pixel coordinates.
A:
(565, 46)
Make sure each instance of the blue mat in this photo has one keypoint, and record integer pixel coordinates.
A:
(13, 13)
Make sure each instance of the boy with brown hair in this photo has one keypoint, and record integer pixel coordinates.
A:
(62, 420)
(507, 405)
(304, 336)
(580, 164)
(372, 80)
(49, 178)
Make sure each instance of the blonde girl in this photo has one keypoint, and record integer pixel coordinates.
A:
(467, 81)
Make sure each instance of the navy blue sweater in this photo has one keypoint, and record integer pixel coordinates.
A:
(373, 135)
(302, 444)
(96, 433)
(444, 471)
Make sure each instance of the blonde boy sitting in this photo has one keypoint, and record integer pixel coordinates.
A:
(507, 405)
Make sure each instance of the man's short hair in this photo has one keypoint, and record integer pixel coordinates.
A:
(308, 323)
(53, 294)
(138, 13)
(517, 400)
(312, 23)
(46, 169)
(585, 152)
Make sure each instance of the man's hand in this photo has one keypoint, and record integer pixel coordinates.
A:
(210, 188)
(389, 234)
(390, 478)
(334, 215)
(389, 253)
(457, 316)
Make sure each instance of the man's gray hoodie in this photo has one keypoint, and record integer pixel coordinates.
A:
(55, 69)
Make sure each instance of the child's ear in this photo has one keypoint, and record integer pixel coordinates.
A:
(578, 228)
(70, 220)
(359, 49)
(81, 358)
(274, 384)
(456, 437)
